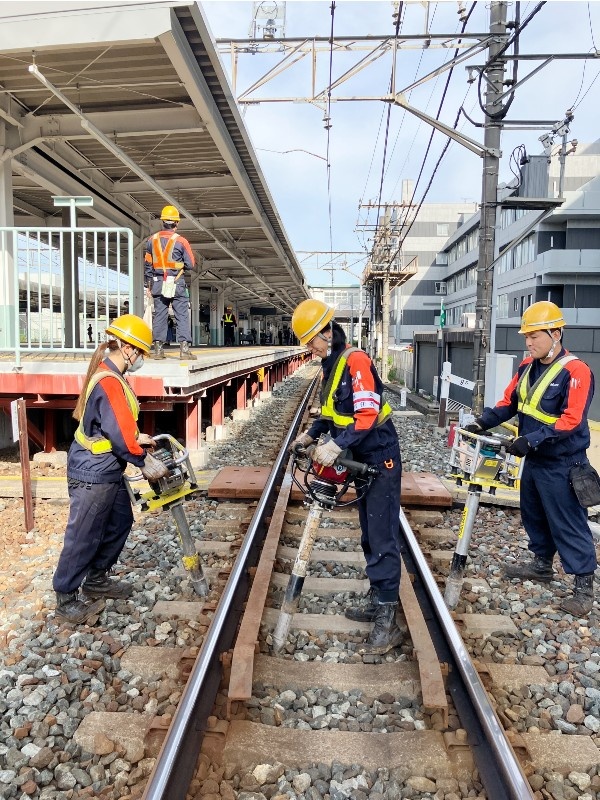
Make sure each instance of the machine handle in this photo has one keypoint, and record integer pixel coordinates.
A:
(173, 441)
(353, 466)
(357, 466)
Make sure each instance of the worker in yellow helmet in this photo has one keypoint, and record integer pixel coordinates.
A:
(551, 392)
(354, 416)
(106, 441)
(168, 261)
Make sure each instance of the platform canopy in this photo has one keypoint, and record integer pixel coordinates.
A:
(128, 103)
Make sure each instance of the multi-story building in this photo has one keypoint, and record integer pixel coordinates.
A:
(557, 259)
(349, 303)
(415, 304)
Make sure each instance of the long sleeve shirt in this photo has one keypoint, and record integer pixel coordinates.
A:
(359, 394)
(568, 397)
(107, 414)
(182, 252)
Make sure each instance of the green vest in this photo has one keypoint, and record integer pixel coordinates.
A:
(98, 445)
(531, 397)
(328, 410)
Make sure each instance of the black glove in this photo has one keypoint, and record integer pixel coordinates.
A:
(519, 447)
(474, 427)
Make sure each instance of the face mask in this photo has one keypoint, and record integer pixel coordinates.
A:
(137, 364)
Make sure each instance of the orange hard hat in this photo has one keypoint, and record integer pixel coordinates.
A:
(542, 316)
(309, 319)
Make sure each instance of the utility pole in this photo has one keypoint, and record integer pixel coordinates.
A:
(494, 80)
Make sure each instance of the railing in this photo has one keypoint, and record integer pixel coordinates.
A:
(59, 287)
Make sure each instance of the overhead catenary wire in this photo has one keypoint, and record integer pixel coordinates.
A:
(328, 128)
(387, 123)
(444, 150)
(513, 39)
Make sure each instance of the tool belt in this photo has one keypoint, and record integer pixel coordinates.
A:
(586, 484)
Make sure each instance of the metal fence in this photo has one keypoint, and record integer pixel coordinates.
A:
(64, 285)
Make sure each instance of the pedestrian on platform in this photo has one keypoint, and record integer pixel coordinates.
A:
(168, 259)
(90, 333)
(551, 392)
(106, 440)
(228, 323)
(355, 416)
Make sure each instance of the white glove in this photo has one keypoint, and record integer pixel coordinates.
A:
(326, 453)
(304, 440)
(153, 468)
(146, 441)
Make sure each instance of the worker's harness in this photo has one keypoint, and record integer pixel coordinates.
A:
(98, 445)
(162, 260)
(328, 410)
(530, 397)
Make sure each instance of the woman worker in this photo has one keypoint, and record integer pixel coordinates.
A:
(355, 416)
(107, 439)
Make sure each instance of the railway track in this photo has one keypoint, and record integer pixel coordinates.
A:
(421, 713)
(195, 685)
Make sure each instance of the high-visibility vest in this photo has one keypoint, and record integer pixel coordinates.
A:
(99, 445)
(227, 317)
(328, 410)
(530, 397)
(162, 259)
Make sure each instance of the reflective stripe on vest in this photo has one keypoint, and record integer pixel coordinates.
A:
(162, 259)
(327, 397)
(530, 398)
(98, 445)
(227, 317)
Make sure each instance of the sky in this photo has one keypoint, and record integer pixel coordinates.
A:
(320, 186)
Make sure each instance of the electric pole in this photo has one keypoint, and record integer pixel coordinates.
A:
(493, 77)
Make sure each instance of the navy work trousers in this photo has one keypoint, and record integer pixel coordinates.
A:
(100, 519)
(552, 516)
(181, 309)
(379, 514)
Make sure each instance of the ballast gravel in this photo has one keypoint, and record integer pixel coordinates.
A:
(52, 676)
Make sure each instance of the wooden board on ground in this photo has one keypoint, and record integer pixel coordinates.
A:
(240, 482)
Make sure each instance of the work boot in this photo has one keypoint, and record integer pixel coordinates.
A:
(158, 351)
(581, 601)
(185, 352)
(385, 634)
(70, 609)
(536, 569)
(366, 608)
(98, 584)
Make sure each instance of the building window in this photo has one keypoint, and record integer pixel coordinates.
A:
(442, 259)
(524, 252)
(502, 306)
(443, 229)
(515, 304)
(529, 300)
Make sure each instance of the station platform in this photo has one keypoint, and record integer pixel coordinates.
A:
(196, 394)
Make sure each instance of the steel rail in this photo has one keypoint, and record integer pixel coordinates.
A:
(498, 766)
(176, 763)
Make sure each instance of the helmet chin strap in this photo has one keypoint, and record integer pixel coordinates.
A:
(555, 343)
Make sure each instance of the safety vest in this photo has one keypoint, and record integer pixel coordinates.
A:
(227, 317)
(530, 397)
(98, 445)
(162, 259)
(328, 410)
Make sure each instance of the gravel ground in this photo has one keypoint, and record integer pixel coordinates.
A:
(51, 677)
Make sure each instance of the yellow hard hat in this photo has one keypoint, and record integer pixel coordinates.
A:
(542, 316)
(133, 330)
(169, 214)
(309, 319)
